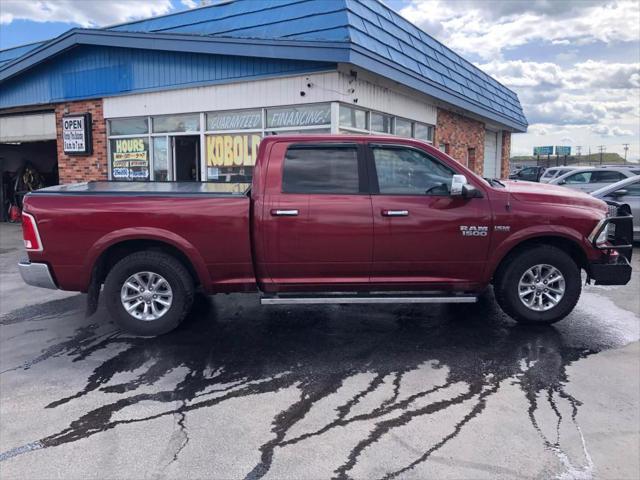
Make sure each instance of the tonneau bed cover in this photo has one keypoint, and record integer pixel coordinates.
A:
(147, 188)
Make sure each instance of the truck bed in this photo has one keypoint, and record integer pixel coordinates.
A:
(207, 222)
(147, 188)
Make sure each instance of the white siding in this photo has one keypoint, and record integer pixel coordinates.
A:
(28, 128)
(325, 87)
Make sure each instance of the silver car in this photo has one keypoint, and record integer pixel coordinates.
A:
(554, 172)
(627, 192)
(589, 179)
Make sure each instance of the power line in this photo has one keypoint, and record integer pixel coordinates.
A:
(626, 149)
(602, 149)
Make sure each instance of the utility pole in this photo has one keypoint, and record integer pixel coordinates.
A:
(626, 149)
(602, 150)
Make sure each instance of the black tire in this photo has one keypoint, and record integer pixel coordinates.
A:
(507, 279)
(172, 270)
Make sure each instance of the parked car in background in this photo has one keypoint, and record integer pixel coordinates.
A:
(554, 172)
(626, 192)
(530, 174)
(589, 179)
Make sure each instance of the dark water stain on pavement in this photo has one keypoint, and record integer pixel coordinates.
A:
(238, 349)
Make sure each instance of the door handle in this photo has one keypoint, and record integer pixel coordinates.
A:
(395, 213)
(285, 213)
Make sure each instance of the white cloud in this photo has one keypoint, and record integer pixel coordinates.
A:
(605, 131)
(189, 3)
(82, 12)
(486, 28)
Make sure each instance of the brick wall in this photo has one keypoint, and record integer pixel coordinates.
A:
(460, 134)
(505, 154)
(75, 168)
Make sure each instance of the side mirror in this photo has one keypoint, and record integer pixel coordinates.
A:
(469, 191)
(562, 182)
(457, 182)
(619, 193)
(461, 188)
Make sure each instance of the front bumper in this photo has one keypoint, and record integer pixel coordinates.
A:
(36, 274)
(617, 272)
(615, 268)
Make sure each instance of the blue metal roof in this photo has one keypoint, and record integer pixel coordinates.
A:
(367, 23)
(364, 33)
(90, 71)
(13, 53)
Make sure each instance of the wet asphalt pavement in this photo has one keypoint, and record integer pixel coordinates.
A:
(243, 391)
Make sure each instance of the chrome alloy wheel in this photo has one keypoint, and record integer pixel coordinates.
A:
(541, 287)
(146, 296)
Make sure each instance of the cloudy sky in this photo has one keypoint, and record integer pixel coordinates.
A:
(575, 64)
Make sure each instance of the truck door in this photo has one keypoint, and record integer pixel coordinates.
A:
(317, 225)
(424, 236)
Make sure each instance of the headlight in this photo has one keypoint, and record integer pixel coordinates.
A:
(599, 234)
(604, 236)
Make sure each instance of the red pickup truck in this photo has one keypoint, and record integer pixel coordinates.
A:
(327, 219)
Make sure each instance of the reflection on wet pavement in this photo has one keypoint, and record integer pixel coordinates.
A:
(358, 365)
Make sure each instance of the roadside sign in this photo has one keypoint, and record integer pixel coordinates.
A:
(543, 150)
(563, 150)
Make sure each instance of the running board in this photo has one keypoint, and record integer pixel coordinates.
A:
(363, 299)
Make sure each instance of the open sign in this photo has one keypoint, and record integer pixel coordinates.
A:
(76, 134)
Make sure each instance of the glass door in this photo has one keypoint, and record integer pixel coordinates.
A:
(162, 160)
(186, 158)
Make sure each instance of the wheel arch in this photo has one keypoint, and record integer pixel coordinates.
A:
(110, 249)
(564, 243)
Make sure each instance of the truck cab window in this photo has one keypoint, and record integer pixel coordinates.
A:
(406, 171)
(321, 170)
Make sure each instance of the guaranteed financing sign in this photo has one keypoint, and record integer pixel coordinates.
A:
(76, 134)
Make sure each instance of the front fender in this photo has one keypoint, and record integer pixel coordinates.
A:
(147, 233)
(502, 248)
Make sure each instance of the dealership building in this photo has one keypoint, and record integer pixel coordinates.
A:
(189, 95)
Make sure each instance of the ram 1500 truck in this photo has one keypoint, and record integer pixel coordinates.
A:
(327, 219)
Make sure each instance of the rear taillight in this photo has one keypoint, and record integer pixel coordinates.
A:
(30, 233)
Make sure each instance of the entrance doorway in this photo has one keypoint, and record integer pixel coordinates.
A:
(186, 158)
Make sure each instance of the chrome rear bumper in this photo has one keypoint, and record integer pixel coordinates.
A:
(36, 274)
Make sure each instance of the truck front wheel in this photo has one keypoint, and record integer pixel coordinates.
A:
(148, 293)
(539, 285)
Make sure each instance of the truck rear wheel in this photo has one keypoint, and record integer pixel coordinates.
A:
(540, 285)
(148, 293)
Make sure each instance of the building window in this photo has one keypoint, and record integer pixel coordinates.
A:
(235, 120)
(471, 157)
(299, 116)
(422, 131)
(129, 126)
(231, 157)
(130, 159)
(228, 140)
(381, 123)
(353, 118)
(176, 123)
(403, 128)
